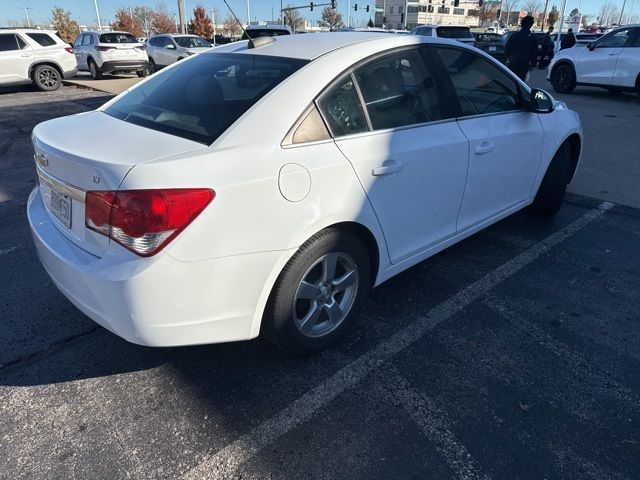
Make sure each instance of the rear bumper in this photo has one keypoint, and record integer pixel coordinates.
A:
(67, 74)
(156, 301)
(120, 65)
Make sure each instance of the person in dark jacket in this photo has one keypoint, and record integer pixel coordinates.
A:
(568, 40)
(547, 50)
(522, 48)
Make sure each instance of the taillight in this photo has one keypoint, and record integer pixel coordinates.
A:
(69, 49)
(144, 221)
(104, 49)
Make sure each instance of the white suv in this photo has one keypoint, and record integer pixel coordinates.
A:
(611, 62)
(166, 49)
(110, 52)
(453, 32)
(35, 56)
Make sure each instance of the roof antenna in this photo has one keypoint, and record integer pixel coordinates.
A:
(253, 42)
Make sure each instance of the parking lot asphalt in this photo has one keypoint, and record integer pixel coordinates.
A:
(512, 355)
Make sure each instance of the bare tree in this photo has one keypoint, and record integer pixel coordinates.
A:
(509, 6)
(293, 19)
(231, 25)
(532, 7)
(331, 19)
(608, 13)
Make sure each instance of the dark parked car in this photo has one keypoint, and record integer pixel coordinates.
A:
(491, 43)
(220, 40)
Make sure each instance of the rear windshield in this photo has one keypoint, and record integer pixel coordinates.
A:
(191, 42)
(200, 98)
(117, 38)
(264, 32)
(454, 32)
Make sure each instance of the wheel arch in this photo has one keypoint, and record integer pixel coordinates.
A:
(575, 149)
(564, 61)
(50, 63)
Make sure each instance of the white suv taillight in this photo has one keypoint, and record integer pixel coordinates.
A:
(144, 221)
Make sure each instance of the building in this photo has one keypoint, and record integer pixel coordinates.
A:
(407, 14)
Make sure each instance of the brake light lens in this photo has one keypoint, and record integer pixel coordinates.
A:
(144, 221)
(104, 49)
(69, 49)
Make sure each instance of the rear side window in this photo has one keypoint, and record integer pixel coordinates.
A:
(398, 90)
(117, 38)
(8, 42)
(480, 86)
(42, 38)
(201, 98)
(342, 109)
(454, 32)
(21, 43)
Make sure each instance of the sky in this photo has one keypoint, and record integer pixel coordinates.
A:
(84, 11)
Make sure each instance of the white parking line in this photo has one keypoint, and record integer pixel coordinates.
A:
(430, 419)
(9, 250)
(225, 463)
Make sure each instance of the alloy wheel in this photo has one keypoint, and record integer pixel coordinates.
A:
(48, 77)
(325, 295)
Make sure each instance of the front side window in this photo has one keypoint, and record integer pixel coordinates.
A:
(199, 99)
(42, 38)
(191, 42)
(398, 90)
(615, 39)
(342, 109)
(8, 42)
(117, 38)
(480, 86)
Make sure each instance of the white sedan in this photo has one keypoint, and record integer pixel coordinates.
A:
(267, 189)
(611, 62)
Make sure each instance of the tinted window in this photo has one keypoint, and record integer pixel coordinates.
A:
(78, 41)
(117, 38)
(480, 86)
(191, 42)
(264, 32)
(636, 43)
(21, 43)
(342, 109)
(454, 32)
(42, 38)
(8, 42)
(615, 39)
(153, 42)
(398, 90)
(201, 98)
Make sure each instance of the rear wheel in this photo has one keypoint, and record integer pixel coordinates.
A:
(554, 184)
(94, 70)
(142, 73)
(563, 79)
(319, 293)
(47, 78)
(152, 66)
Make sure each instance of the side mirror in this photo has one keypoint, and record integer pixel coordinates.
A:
(540, 101)
(170, 46)
(591, 46)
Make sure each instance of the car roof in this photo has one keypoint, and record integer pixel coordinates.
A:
(267, 27)
(308, 47)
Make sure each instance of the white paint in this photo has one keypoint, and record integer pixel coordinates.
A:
(4, 251)
(224, 463)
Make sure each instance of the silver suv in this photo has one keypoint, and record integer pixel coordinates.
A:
(35, 56)
(110, 52)
(166, 49)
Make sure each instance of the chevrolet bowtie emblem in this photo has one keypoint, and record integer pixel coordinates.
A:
(96, 179)
(41, 160)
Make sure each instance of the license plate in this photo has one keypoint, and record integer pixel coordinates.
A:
(61, 207)
(492, 49)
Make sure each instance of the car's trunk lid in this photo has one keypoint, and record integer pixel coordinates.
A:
(92, 151)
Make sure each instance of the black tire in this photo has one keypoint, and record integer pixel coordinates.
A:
(554, 184)
(280, 322)
(563, 79)
(152, 66)
(94, 70)
(142, 73)
(47, 78)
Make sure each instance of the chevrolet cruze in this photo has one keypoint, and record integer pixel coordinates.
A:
(265, 187)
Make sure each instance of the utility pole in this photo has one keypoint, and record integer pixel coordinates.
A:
(544, 15)
(348, 13)
(624, 4)
(248, 14)
(26, 14)
(213, 22)
(181, 16)
(95, 4)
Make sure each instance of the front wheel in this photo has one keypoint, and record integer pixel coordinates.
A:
(47, 78)
(563, 79)
(319, 293)
(554, 184)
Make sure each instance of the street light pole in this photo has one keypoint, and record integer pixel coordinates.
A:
(26, 14)
(248, 14)
(95, 4)
(624, 4)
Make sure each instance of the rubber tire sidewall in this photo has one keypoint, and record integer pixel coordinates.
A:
(278, 323)
(142, 73)
(98, 74)
(43, 87)
(559, 89)
(553, 187)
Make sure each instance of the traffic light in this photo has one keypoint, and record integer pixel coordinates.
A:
(311, 6)
(368, 8)
(333, 4)
(355, 7)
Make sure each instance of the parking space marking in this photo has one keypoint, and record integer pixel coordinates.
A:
(4, 251)
(225, 463)
(396, 389)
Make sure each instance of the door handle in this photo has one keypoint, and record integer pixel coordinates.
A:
(25, 54)
(485, 148)
(612, 54)
(388, 169)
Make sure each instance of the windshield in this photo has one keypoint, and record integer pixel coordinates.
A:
(264, 32)
(191, 42)
(454, 32)
(117, 38)
(200, 98)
